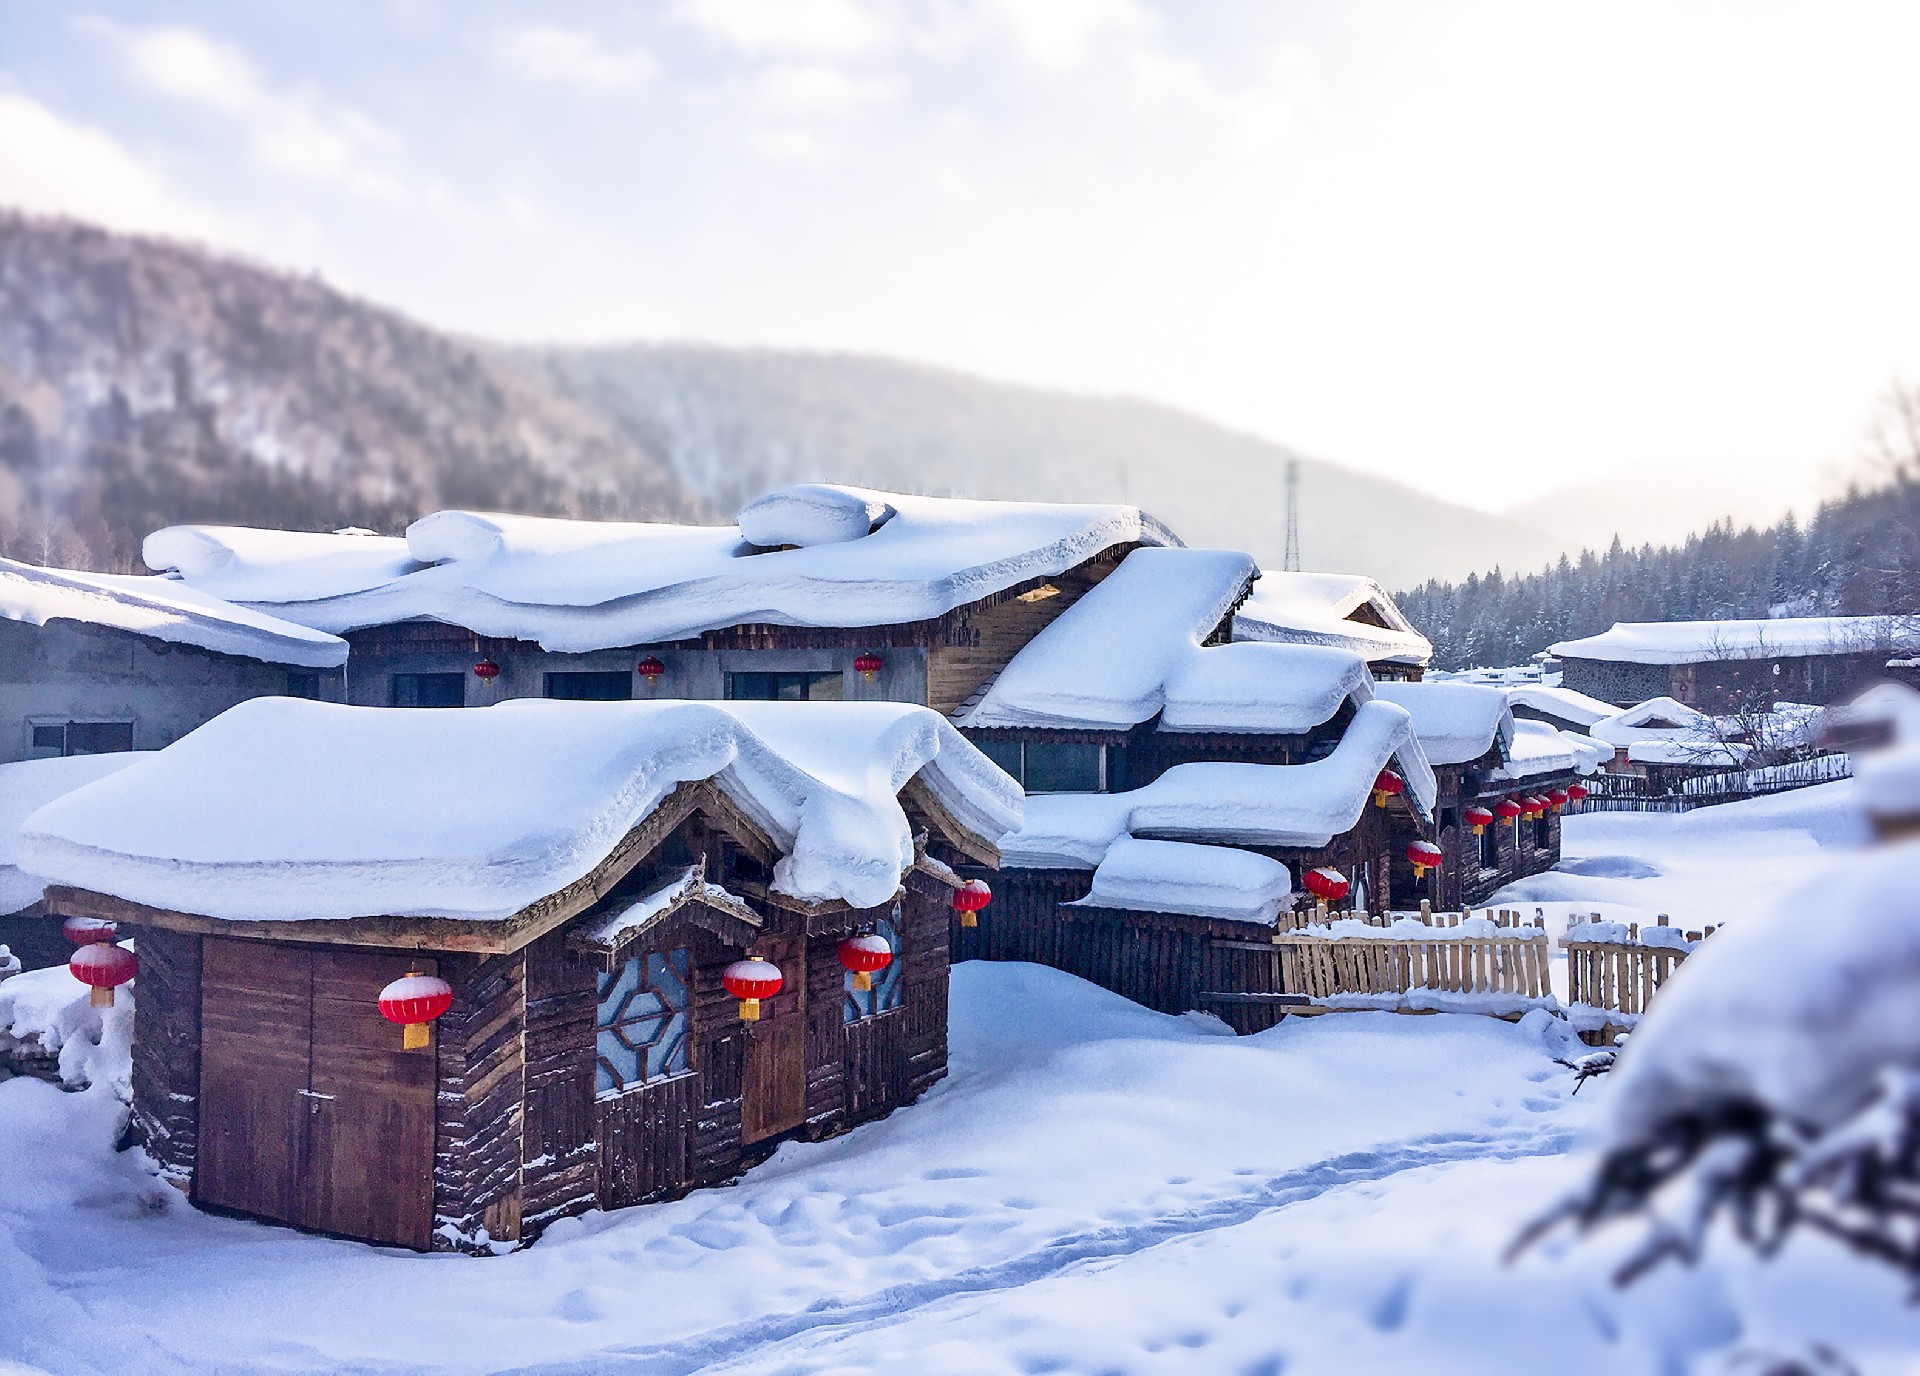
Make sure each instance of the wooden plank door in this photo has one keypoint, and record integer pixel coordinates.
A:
(370, 1144)
(774, 1093)
(255, 1011)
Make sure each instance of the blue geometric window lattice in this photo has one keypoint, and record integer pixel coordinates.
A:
(642, 1023)
(886, 992)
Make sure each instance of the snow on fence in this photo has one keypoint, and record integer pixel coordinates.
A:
(1632, 793)
(1615, 968)
(1429, 963)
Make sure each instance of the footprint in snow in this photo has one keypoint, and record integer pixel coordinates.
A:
(577, 1307)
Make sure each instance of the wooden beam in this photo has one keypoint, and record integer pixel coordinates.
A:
(963, 839)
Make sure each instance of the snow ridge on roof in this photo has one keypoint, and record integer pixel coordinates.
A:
(587, 585)
(1313, 609)
(241, 564)
(1696, 642)
(1562, 704)
(1539, 747)
(1456, 722)
(1199, 881)
(26, 786)
(1631, 724)
(281, 809)
(161, 609)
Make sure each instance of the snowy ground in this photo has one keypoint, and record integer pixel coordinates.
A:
(1095, 1189)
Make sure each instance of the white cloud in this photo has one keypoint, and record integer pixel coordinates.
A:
(571, 57)
(53, 166)
(798, 28)
(1060, 33)
(812, 89)
(293, 131)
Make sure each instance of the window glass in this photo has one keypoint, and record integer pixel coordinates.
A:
(1006, 754)
(302, 685)
(99, 737)
(1490, 847)
(429, 690)
(49, 738)
(1061, 767)
(787, 687)
(614, 685)
(887, 990)
(641, 1028)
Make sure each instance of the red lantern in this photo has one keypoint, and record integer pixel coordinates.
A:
(1387, 785)
(867, 665)
(413, 1001)
(1326, 884)
(1479, 819)
(650, 669)
(103, 967)
(750, 981)
(1535, 805)
(969, 899)
(1557, 798)
(486, 671)
(1576, 792)
(1508, 810)
(84, 931)
(1425, 856)
(866, 956)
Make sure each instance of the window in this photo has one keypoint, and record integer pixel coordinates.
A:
(302, 685)
(613, 685)
(429, 690)
(1542, 833)
(1056, 766)
(1490, 847)
(789, 687)
(641, 1028)
(49, 739)
(885, 995)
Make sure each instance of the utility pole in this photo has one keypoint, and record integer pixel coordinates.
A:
(1291, 563)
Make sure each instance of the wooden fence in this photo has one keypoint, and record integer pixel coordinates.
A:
(1497, 964)
(1613, 971)
(1675, 793)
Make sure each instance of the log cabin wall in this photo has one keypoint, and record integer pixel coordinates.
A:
(559, 1162)
(481, 1102)
(166, 1051)
(1463, 880)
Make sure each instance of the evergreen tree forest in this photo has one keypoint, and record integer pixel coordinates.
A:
(1859, 554)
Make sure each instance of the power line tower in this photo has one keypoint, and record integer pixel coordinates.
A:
(1291, 563)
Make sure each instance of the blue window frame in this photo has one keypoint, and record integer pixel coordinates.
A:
(641, 1029)
(886, 993)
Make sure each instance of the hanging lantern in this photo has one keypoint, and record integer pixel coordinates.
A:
(1557, 798)
(413, 1001)
(486, 671)
(1536, 805)
(1576, 793)
(867, 665)
(1425, 856)
(969, 899)
(650, 669)
(1387, 785)
(84, 931)
(750, 981)
(866, 956)
(1326, 884)
(1507, 810)
(1479, 819)
(103, 967)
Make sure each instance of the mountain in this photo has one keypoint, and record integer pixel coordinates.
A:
(144, 382)
(1666, 505)
(733, 422)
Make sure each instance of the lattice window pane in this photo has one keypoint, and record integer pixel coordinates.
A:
(642, 1023)
(887, 990)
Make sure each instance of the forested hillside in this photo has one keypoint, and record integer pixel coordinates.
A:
(1859, 554)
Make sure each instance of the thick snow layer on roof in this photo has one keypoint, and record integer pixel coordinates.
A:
(1300, 806)
(161, 609)
(1653, 720)
(1131, 648)
(1456, 722)
(1320, 609)
(1799, 1008)
(283, 809)
(1180, 877)
(1698, 642)
(1539, 747)
(27, 786)
(585, 585)
(241, 564)
(1562, 704)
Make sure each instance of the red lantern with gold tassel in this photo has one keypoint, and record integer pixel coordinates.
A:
(750, 981)
(1425, 856)
(1387, 785)
(650, 670)
(103, 967)
(969, 899)
(1557, 798)
(84, 931)
(1576, 793)
(1326, 884)
(1478, 818)
(866, 956)
(867, 665)
(413, 1001)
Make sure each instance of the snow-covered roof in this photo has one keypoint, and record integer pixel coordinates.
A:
(1200, 881)
(1539, 747)
(815, 555)
(1699, 642)
(1890, 704)
(1333, 609)
(1562, 704)
(26, 786)
(1456, 722)
(1652, 720)
(161, 609)
(1299, 806)
(1703, 754)
(1131, 648)
(281, 809)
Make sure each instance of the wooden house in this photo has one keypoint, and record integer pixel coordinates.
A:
(1342, 611)
(581, 876)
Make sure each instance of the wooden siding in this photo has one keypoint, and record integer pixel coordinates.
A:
(988, 634)
(558, 1143)
(481, 1101)
(166, 1051)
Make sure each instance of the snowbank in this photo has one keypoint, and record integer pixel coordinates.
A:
(587, 585)
(29, 785)
(1888, 784)
(50, 1009)
(161, 609)
(280, 809)
(1698, 642)
(1201, 881)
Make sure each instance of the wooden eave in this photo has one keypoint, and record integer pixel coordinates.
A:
(697, 903)
(920, 798)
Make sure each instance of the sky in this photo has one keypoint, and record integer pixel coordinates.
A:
(1492, 248)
